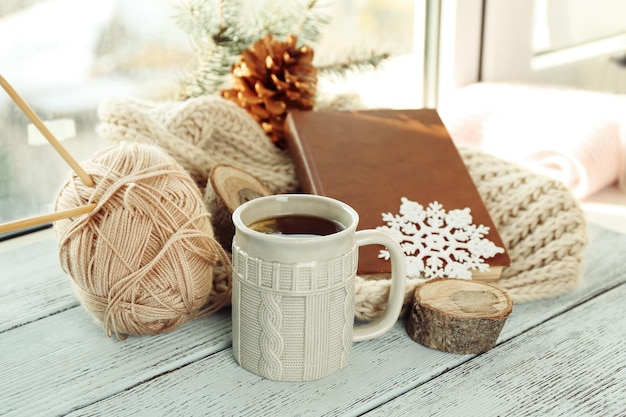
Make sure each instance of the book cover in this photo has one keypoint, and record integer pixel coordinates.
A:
(370, 159)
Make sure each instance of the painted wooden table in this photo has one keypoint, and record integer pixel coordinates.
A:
(560, 357)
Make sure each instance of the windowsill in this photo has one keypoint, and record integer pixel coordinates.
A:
(27, 239)
(607, 208)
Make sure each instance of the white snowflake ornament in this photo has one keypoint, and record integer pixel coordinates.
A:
(439, 244)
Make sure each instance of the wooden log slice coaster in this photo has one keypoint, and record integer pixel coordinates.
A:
(457, 315)
(233, 187)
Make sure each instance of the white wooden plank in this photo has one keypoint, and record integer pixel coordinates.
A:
(604, 268)
(218, 386)
(575, 365)
(65, 361)
(379, 370)
(32, 283)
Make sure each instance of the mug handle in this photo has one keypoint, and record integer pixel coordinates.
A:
(398, 284)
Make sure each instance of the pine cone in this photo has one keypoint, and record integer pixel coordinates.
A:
(271, 78)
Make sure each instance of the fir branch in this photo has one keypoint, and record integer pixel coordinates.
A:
(297, 17)
(217, 36)
(305, 17)
(219, 31)
(308, 27)
(220, 35)
(366, 63)
(234, 32)
(207, 73)
(220, 16)
(192, 18)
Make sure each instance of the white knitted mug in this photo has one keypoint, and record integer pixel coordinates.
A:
(293, 296)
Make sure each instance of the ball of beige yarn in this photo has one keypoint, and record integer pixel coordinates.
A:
(141, 262)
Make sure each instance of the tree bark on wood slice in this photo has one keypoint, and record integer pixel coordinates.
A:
(232, 187)
(457, 315)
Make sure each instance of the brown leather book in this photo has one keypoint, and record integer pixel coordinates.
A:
(370, 159)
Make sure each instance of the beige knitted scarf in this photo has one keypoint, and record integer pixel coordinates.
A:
(200, 133)
(540, 222)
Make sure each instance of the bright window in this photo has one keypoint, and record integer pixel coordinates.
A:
(573, 43)
(66, 56)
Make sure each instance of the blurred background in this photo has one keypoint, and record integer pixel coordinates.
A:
(65, 56)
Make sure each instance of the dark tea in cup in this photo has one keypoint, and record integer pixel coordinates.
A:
(297, 225)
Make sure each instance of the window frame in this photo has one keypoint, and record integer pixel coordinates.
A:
(410, 60)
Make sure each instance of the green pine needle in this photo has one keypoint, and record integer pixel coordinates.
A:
(219, 30)
(360, 64)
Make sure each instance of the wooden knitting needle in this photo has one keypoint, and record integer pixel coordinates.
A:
(46, 218)
(85, 178)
